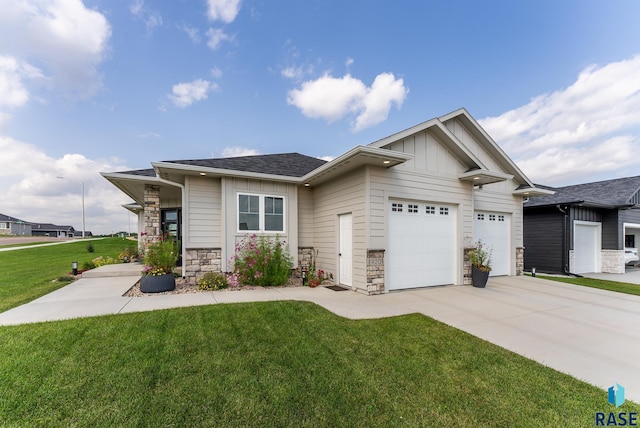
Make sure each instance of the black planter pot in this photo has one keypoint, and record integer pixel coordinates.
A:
(157, 283)
(479, 277)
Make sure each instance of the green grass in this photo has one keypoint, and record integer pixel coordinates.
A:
(620, 287)
(28, 273)
(276, 364)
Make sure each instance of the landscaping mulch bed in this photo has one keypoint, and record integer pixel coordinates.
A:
(185, 287)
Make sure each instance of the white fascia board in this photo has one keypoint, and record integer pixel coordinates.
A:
(392, 157)
(124, 176)
(533, 191)
(484, 176)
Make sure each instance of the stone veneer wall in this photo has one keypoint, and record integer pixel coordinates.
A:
(613, 261)
(466, 266)
(519, 261)
(305, 257)
(200, 261)
(375, 271)
(152, 229)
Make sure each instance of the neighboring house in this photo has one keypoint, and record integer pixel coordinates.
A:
(583, 228)
(48, 229)
(399, 213)
(78, 233)
(14, 226)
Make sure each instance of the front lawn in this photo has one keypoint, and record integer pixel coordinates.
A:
(277, 364)
(27, 274)
(620, 287)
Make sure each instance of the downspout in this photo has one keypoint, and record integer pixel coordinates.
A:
(183, 247)
(565, 249)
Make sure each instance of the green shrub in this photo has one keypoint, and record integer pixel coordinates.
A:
(212, 281)
(101, 261)
(261, 261)
(161, 257)
(90, 248)
(88, 265)
(65, 278)
(129, 255)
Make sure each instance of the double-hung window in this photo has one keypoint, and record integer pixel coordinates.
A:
(260, 213)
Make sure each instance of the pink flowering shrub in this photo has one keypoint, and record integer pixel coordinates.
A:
(261, 261)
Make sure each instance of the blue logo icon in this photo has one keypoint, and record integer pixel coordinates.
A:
(616, 395)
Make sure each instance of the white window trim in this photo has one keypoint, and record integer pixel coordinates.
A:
(261, 213)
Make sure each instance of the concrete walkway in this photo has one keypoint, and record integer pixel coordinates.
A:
(589, 333)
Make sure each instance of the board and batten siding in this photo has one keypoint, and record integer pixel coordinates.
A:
(231, 186)
(543, 240)
(342, 195)
(204, 212)
(462, 133)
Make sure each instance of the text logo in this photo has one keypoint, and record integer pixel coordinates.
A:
(616, 395)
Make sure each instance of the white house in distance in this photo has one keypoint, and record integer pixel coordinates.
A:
(398, 213)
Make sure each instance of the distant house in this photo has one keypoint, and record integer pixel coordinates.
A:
(398, 213)
(78, 233)
(48, 229)
(14, 226)
(583, 228)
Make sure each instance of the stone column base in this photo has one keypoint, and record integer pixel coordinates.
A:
(200, 261)
(375, 271)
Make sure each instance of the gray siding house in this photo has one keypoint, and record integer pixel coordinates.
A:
(583, 228)
(14, 226)
(401, 212)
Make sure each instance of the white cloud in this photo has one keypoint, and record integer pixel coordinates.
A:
(216, 36)
(386, 90)
(185, 94)
(151, 19)
(13, 74)
(332, 98)
(192, 32)
(236, 151)
(32, 192)
(64, 38)
(223, 10)
(216, 72)
(561, 137)
(297, 73)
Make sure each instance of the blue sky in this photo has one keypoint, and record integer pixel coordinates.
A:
(105, 85)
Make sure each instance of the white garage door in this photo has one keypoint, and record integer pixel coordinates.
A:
(422, 243)
(494, 230)
(586, 246)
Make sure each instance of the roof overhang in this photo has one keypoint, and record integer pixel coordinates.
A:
(480, 177)
(355, 158)
(134, 207)
(528, 192)
(133, 185)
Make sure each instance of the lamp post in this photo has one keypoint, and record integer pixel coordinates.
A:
(81, 183)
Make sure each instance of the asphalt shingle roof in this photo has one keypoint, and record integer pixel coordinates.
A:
(614, 193)
(4, 217)
(287, 164)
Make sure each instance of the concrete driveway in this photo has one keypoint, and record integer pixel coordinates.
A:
(588, 333)
(631, 275)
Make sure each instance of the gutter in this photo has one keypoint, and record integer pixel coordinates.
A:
(565, 249)
(183, 246)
